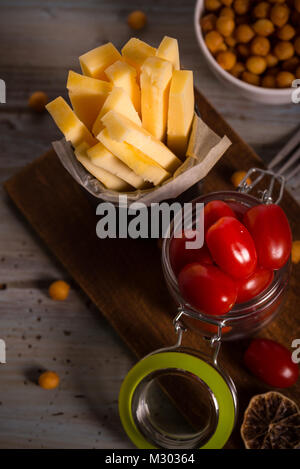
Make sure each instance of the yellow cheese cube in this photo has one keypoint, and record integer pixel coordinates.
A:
(140, 163)
(168, 50)
(156, 76)
(94, 62)
(68, 123)
(123, 130)
(181, 111)
(123, 76)
(87, 96)
(110, 181)
(135, 52)
(119, 101)
(100, 156)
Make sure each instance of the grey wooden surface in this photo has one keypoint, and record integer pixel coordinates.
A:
(40, 41)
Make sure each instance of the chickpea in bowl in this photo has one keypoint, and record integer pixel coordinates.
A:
(255, 43)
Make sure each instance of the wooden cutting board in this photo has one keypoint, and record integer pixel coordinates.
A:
(124, 277)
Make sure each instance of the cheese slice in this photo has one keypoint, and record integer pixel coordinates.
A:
(110, 181)
(135, 52)
(181, 111)
(119, 101)
(68, 123)
(123, 130)
(94, 62)
(87, 96)
(122, 75)
(168, 50)
(140, 163)
(156, 76)
(100, 156)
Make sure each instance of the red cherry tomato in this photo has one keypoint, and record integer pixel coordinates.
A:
(271, 233)
(181, 256)
(254, 285)
(271, 362)
(214, 210)
(232, 247)
(207, 288)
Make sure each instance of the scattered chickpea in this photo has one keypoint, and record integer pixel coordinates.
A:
(227, 11)
(214, 41)
(226, 60)
(59, 290)
(241, 6)
(286, 33)
(271, 60)
(285, 79)
(284, 50)
(296, 252)
(243, 50)
(208, 22)
(291, 64)
(49, 380)
(261, 10)
(230, 41)
(37, 101)
(260, 46)
(279, 15)
(225, 25)
(256, 64)
(238, 69)
(212, 5)
(137, 19)
(268, 81)
(297, 5)
(244, 33)
(237, 178)
(251, 78)
(227, 2)
(263, 27)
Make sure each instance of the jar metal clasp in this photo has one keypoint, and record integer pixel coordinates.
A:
(266, 195)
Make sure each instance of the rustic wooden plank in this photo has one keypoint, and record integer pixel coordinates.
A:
(141, 302)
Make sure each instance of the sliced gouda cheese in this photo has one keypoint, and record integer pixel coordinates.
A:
(110, 181)
(155, 79)
(140, 163)
(168, 50)
(100, 156)
(68, 123)
(94, 62)
(119, 101)
(181, 111)
(123, 130)
(87, 96)
(122, 75)
(135, 52)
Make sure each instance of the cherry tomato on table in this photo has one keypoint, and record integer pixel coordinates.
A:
(271, 233)
(248, 288)
(180, 255)
(271, 362)
(207, 288)
(232, 247)
(215, 210)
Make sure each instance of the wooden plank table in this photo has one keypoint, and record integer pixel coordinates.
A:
(40, 42)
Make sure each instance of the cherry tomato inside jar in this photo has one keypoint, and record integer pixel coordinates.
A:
(271, 233)
(232, 247)
(181, 254)
(207, 288)
(215, 210)
(254, 285)
(272, 363)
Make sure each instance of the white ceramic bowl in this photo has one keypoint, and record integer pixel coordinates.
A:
(254, 93)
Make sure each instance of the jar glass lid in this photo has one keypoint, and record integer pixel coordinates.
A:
(175, 400)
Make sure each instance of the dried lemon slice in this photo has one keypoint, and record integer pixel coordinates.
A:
(271, 421)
